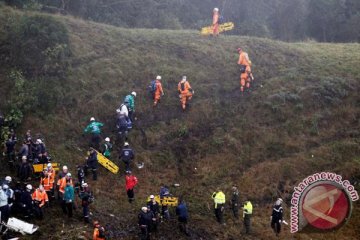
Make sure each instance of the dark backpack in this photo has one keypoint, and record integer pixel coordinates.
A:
(242, 68)
(221, 19)
(101, 232)
(182, 86)
(152, 86)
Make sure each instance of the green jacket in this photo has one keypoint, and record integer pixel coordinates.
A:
(107, 148)
(130, 102)
(94, 127)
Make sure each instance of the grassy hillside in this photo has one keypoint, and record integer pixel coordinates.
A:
(305, 102)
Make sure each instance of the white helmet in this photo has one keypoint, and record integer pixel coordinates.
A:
(38, 141)
(134, 94)
(216, 9)
(68, 174)
(23, 158)
(29, 187)
(126, 144)
(107, 139)
(158, 77)
(5, 186)
(84, 184)
(144, 209)
(278, 201)
(92, 119)
(184, 78)
(8, 178)
(50, 166)
(41, 187)
(65, 168)
(152, 196)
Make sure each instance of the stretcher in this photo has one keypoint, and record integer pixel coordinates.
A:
(38, 168)
(166, 201)
(17, 225)
(222, 28)
(106, 163)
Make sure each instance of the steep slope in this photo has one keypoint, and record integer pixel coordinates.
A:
(305, 102)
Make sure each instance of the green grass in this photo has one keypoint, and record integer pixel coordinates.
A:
(309, 104)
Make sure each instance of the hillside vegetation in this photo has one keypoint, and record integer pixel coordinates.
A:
(305, 102)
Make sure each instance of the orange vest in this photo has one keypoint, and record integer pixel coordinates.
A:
(244, 59)
(46, 182)
(96, 234)
(215, 17)
(51, 172)
(39, 196)
(62, 184)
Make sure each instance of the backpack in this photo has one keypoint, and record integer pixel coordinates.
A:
(152, 86)
(242, 68)
(101, 232)
(182, 86)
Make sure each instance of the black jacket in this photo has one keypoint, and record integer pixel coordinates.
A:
(145, 218)
(277, 213)
(92, 160)
(127, 154)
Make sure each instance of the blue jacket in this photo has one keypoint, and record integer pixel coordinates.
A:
(69, 194)
(181, 210)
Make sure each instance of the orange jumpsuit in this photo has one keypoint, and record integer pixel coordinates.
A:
(158, 92)
(40, 197)
(62, 184)
(185, 91)
(96, 234)
(244, 77)
(47, 182)
(215, 23)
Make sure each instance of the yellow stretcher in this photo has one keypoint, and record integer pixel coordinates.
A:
(38, 168)
(222, 28)
(166, 201)
(106, 163)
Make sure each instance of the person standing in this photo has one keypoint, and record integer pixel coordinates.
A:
(186, 92)
(154, 207)
(92, 162)
(144, 223)
(69, 198)
(219, 205)
(129, 101)
(247, 213)
(94, 128)
(107, 148)
(158, 90)
(4, 203)
(25, 170)
(182, 213)
(127, 155)
(86, 198)
(164, 192)
(235, 202)
(10, 150)
(99, 231)
(131, 181)
(40, 198)
(277, 216)
(245, 70)
(26, 202)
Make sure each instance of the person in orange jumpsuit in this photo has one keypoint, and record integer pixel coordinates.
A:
(245, 66)
(99, 231)
(40, 198)
(159, 91)
(47, 182)
(215, 23)
(185, 91)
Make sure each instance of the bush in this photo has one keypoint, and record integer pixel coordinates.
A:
(39, 46)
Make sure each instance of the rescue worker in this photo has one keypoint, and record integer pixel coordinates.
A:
(235, 199)
(277, 216)
(245, 69)
(80, 175)
(185, 91)
(69, 196)
(9, 192)
(107, 148)
(127, 155)
(158, 90)
(4, 204)
(131, 182)
(62, 185)
(164, 192)
(215, 22)
(86, 198)
(42, 154)
(10, 150)
(94, 128)
(219, 203)
(51, 172)
(145, 218)
(61, 175)
(247, 213)
(47, 182)
(25, 170)
(129, 101)
(154, 207)
(27, 202)
(99, 231)
(182, 213)
(91, 162)
(40, 198)
(122, 123)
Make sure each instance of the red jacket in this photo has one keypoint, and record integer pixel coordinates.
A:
(131, 181)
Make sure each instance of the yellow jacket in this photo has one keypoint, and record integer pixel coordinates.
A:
(248, 208)
(219, 198)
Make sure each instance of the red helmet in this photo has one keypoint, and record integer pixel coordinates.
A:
(239, 49)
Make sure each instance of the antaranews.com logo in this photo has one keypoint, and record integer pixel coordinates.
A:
(322, 201)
